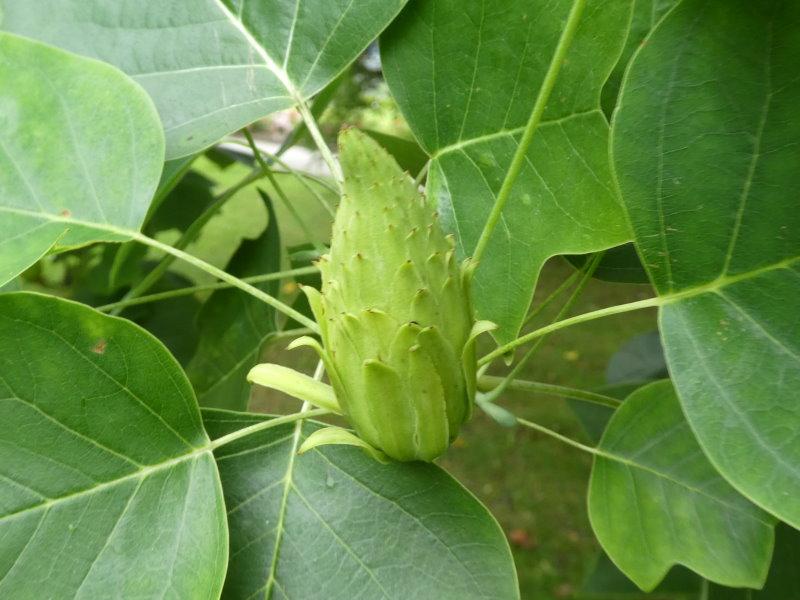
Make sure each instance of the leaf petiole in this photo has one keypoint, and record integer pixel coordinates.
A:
(577, 319)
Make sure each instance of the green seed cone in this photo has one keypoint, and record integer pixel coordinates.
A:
(395, 311)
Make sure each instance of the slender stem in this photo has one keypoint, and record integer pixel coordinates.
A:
(539, 106)
(316, 135)
(567, 283)
(227, 277)
(189, 235)
(301, 176)
(586, 276)
(422, 174)
(488, 383)
(560, 438)
(276, 422)
(188, 291)
(281, 194)
(590, 316)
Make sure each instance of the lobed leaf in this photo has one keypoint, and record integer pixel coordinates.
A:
(441, 63)
(655, 501)
(705, 144)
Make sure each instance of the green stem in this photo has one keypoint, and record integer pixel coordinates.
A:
(190, 235)
(590, 316)
(422, 174)
(301, 176)
(277, 422)
(567, 283)
(188, 291)
(228, 278)
(539, 106)
(281, 194)
(560, 438)
(488, 383)
(586, 276)
(316, 135)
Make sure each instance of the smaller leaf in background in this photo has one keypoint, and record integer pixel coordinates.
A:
(172, 321)
(233, 326)
(62, 158)
(607, 582)
(639, 361)
(646, 13)
(656, 501)
(618, 265)
(107, 473)
(783, 581)
(364, 526)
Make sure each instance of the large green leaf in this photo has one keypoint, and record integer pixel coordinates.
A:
(466, 74)
(783, 582)
(79, 142)
(646, 14)
(656, 501)
(234, 326)
(211, 67)
(335, 520)
(708, 160)
(108, 488)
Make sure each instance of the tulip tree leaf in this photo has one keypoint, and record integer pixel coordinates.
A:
(81, 151)
(655, 501)
(441, 63)
(211, 67)
(782, 581)
(363, 522)
(721, 237)
(234, 326)
(646, 14)
(107, 482)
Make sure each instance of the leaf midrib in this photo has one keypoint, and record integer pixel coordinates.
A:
(142, 473)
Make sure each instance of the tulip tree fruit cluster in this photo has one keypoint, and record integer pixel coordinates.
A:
(397, 326)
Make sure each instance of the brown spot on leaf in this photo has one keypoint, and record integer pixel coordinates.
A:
(100, 346)
(66, 213)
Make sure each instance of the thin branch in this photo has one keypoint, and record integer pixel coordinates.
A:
(561, 438)
(590, 316)
(264, 425)
(488, 383)
(190, 235)
(227, 277)
(281, 194)
(564, 42)
(586, 276)
(316, 135)
(566, 284)
(188, 291)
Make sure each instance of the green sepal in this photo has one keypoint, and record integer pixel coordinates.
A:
(338, 436)
(497, 413)
(429, 405)
(469, 362)
(392, 413)
(296, 384)
(441, 354)
(330, 368)
(315, 302)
